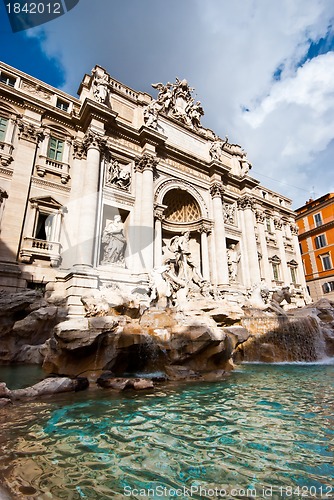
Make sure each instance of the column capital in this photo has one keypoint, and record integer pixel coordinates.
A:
(3, 195)
(206, 228)
(278, 223)
(294, 229)
(79, 150)
(216, 189)
(246, 202)
(260, 217)
(29, 132)
(146, 162)
(94, 140)
(159, 213)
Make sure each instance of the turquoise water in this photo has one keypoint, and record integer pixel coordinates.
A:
(265, 432)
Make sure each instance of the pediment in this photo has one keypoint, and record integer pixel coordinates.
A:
(47, 201)
(275, 259)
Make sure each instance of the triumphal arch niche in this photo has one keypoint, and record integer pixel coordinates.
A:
(181, 212)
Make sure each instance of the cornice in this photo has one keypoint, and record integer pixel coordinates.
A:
(50, 115)
(39, 83)
(317, 230)
(36, 181)
(92, 109)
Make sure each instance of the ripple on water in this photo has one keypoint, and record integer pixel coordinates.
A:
(264, 426)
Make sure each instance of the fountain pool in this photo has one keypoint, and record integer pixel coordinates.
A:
(265, 432)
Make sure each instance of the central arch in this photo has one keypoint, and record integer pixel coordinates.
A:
(181, 206)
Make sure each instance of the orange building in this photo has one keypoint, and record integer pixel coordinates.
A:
(316, 237)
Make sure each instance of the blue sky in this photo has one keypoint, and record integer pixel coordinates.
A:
(263, 70)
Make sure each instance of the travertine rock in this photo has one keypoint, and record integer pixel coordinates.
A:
(50, 386)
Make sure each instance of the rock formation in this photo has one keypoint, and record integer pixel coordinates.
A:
(26, 322)
(46, 387)
(126, 335)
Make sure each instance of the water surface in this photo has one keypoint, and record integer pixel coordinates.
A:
(266, 426)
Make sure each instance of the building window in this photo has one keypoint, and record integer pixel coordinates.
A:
(264, 194)
(268, 224)
(3, 127)
(293, 275)
(328, 287)
(317, 220)
(55, 150)
(326, 262)
(320, 241)
(44, 226)
(275, 271)
(63, 105)
(7, 79)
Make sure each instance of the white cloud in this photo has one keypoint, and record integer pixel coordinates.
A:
(228, 50)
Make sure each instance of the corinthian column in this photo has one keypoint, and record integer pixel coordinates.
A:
(135, 261)
(205, 253)
(158, 217)
(252, 272)
(93, 144)
(73, 236)
(264, 249)
(285, 271)
(148, 163)
(216, 191)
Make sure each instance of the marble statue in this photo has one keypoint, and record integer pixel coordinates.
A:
(184, 265)
(164, 285)
(233, 258)
(174, 100)
(280, 295)
(216, 149)
(100, 88)
(229, 213)
(114, 242)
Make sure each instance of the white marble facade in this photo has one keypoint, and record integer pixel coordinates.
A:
(95, 189)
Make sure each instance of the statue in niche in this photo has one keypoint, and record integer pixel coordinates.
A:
(118, 175)
(179, 278)
(233, 259)
(184, 265)
(114, 242)
(100, 87)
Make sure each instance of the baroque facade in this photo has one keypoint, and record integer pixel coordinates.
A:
(111, 185)
(316, 236)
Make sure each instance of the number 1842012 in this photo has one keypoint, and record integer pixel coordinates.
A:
(34, 8)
